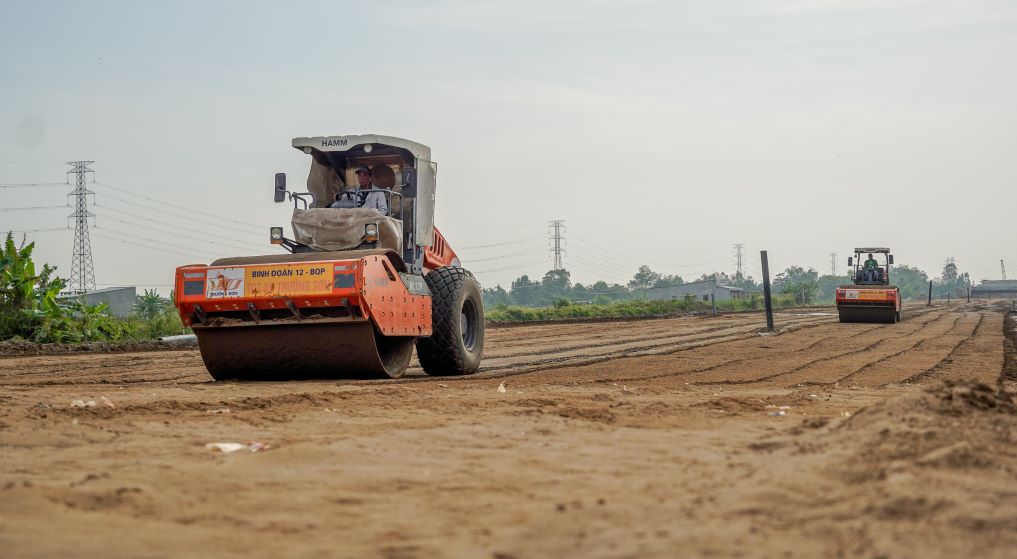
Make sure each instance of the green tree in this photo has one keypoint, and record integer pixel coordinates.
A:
(524, 292)
(580, 292)
(745, 282)
(801, 283)
(949, 274)
(913, 283)
(644, 278)
(494, 296)
(555, 285)
(668, 280)
(827, 286)
(26, 298)
(150, 305)
(17, 275)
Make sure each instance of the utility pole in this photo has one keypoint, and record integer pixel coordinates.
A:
(557, 240)
(833, 263)
(738, 259)
(82, 274)
(767, 303)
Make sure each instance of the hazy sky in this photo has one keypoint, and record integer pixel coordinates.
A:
(663, 132)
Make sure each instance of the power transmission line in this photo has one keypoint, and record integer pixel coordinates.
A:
(515, 242)
(32, 184)
(601, 249)
(174, 214)
(173, 245)
(167, 224)
(188, 209)
(517, 266)
(500, 257)
(39, 230)
(30, 208)
(143, 245)
(82, 273)
(176, 234)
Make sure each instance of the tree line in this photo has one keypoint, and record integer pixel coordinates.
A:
(806, 286)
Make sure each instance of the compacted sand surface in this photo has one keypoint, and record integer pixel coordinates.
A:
(653, 438)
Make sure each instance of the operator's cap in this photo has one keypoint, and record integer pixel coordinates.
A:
(364, 169)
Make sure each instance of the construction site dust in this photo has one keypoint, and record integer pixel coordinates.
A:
(685, 436)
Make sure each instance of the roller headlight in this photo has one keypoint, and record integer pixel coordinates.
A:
(371, 232)
(275, 235)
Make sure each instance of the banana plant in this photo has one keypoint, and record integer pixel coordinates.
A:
(150, 305)
(17, 275)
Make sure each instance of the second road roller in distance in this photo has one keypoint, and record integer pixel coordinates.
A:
(367, 278)
(870, 298)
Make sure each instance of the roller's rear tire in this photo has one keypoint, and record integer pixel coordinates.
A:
(456, 343)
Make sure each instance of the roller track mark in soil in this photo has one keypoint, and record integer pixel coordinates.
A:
(870, 347)
(576, 361)
(515, 369)
(740, 360)
(947, 333)
(124, 381)
(742, 328)
(101, 361)
(946, 360)
(883, 359)
(614, 341)
(857, 351)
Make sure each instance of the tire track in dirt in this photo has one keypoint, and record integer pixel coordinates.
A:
(554, 346)
(917, 377)
(737, 361)
(894, 360)
(676, 343)
(873, 346)
(978, 357)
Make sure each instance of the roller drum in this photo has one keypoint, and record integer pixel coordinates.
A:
(871, 314)
(302, 350)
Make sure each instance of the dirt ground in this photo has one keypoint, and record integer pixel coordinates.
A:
(653, 438)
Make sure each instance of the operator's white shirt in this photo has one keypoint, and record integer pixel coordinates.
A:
(372, 198)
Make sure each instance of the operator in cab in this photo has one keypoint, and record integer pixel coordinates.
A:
(364, 195)
(870, 268)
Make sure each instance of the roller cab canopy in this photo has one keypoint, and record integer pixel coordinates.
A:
(400, 165)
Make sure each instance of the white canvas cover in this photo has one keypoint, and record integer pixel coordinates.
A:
(323, 183)
(343, 228)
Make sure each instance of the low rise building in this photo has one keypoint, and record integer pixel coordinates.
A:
(995, 289)
(702, 291)
(120, 299)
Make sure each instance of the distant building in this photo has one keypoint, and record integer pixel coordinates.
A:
(120, 299)
(699, 290)
(995, 289)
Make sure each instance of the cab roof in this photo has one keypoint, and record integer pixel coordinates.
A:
(346, 143)
(873, 250)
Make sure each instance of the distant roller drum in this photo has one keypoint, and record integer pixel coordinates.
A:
(883, 314)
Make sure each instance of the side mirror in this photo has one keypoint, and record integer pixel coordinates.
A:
(280, 187)
(851, 261)
(889, 259)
